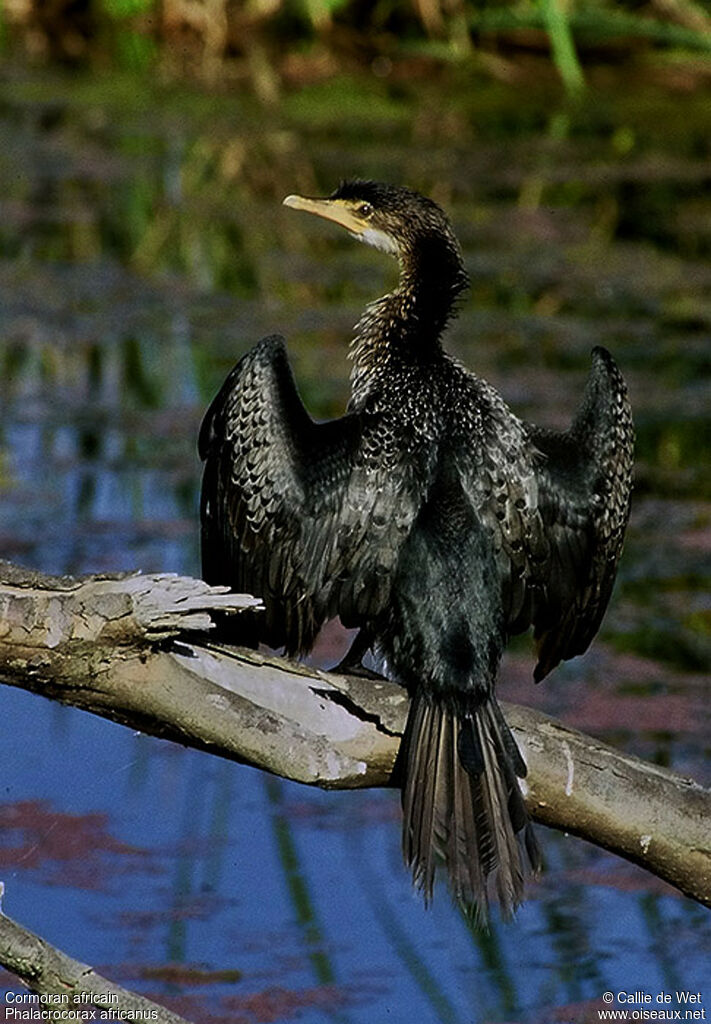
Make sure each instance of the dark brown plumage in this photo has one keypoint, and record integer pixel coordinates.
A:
(433, 519)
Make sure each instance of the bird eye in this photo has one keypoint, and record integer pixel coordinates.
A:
(364, 210)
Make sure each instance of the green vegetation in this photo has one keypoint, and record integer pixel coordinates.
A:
(269, 42)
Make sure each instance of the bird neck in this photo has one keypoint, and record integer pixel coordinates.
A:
(404, 328)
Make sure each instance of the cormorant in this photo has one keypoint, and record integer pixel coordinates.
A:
(432, 518)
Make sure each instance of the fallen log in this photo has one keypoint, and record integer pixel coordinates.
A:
(137, 649)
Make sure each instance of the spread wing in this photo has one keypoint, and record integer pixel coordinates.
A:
(556, 506)
(584, 487)
(291, 510)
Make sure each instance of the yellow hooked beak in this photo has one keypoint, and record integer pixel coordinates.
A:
(338, 210)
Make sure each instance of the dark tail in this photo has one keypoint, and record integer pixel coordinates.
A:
(462, 804)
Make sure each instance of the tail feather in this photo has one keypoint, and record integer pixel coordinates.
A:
(499, 784)
(466, 869)
(462, 805)
(425, 800)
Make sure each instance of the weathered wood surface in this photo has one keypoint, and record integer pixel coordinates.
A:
(137, 649)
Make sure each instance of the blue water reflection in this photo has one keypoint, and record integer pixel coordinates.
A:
(198, 862)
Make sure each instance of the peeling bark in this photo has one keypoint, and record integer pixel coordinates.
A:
(137, 649)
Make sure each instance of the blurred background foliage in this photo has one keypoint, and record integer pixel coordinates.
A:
(272, 42)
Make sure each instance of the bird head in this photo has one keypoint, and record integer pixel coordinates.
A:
(391, 218)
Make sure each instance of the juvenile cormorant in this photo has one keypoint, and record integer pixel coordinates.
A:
(433, 519)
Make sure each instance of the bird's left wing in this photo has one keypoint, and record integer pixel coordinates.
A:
(288, 510)
(556, 505)
(585, 484)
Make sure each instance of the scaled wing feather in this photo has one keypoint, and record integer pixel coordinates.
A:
(290, 511)
(585, 484)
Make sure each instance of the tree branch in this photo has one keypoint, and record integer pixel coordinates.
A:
(69, 987)
(137, 649)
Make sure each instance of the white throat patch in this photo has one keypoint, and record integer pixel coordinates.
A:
(378, 239)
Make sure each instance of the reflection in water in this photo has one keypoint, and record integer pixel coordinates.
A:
(297, 886)
(141, 251)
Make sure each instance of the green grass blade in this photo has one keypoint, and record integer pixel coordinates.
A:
(563, 50)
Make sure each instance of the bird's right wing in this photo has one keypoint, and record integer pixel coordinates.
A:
(289, 511)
